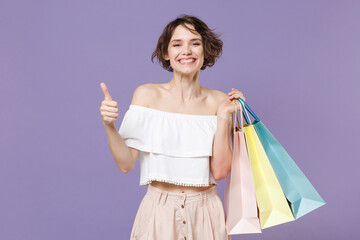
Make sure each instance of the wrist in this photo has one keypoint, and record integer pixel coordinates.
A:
(109, 126)
(223, 115)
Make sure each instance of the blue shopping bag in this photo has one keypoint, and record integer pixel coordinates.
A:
(300, 193)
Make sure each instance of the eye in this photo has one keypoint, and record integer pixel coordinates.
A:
(176, 45)
(196, 43)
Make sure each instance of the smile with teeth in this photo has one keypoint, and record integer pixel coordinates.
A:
(184, 61)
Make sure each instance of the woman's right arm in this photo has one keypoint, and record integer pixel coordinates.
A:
(124, 156)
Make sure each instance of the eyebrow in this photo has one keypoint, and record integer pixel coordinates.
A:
(179, 40)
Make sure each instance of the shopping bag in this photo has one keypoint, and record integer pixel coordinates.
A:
(273, 206)
(298, 190)
(241, 213)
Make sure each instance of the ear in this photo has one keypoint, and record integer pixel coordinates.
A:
(166, 57)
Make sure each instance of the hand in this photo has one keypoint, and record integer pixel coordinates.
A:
(226, 107)
(108, 109)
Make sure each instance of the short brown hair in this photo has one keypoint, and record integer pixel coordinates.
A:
(211, 43)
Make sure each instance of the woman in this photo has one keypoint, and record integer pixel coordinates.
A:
(180, 132)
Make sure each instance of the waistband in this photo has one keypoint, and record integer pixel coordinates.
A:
(183, 197)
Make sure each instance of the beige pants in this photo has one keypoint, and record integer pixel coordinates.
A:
(164, 215)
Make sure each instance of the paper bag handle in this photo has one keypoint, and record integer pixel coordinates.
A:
(250, 110)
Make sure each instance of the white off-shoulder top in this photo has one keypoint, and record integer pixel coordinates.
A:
(173, 147)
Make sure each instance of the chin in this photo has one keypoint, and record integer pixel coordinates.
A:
(187, 71)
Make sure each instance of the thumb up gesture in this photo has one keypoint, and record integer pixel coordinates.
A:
(109, 110)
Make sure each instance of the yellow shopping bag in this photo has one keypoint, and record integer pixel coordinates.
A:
(273, 206)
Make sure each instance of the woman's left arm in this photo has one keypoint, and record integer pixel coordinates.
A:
(221, 158)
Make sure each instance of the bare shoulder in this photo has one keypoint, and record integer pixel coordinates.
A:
(143, 94)
(216, 96)
(220, 95)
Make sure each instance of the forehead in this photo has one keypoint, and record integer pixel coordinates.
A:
(182, 32)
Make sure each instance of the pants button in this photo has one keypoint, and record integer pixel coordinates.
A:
(182, 206)
(184, 222)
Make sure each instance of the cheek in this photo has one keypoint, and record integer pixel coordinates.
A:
(172, 54)
(201, 54)
(202, 60)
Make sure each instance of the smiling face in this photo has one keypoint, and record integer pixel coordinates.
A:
(185, 50)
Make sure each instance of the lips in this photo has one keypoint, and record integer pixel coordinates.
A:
(185, 63)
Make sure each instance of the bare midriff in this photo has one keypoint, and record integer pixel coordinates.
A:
(178, 188)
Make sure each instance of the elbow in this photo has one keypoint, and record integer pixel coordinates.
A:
(124, 170)
(217, 178)
(127, 169)
(220, 169)
(130, 165)
(220, 175)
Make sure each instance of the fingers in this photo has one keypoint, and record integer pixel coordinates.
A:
(105, 91)
(109, 108)
(109, 112)
(235, 94)
(235, 91)
(106, 108)
(109, 103)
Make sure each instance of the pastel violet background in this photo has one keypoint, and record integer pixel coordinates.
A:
(297, 63)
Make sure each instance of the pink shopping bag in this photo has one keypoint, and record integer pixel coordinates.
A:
(241, 213)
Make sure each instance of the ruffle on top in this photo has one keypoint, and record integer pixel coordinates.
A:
(174, 147)
(172, 134)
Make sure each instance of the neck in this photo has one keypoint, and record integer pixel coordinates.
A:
(185, 87)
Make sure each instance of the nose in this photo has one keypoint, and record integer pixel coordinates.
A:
(187, 50)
